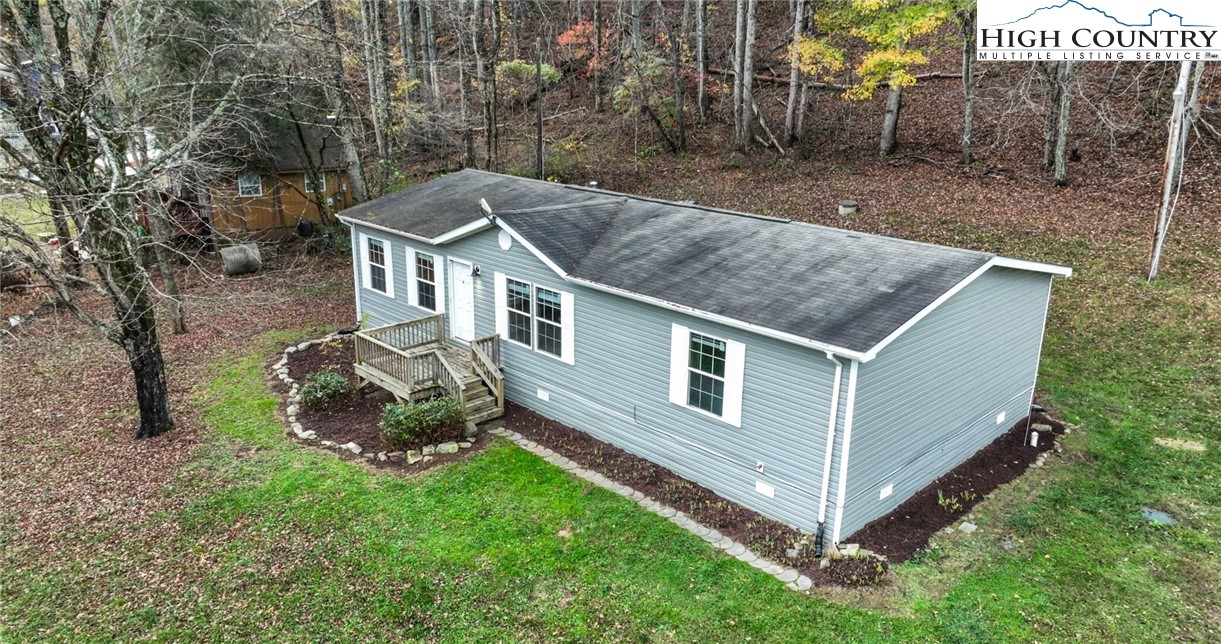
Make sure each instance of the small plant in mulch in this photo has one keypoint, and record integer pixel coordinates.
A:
(323, 389)
(413, 424)
(857, 570)
(949, 503)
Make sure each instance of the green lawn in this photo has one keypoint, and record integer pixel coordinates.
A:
(267, 539)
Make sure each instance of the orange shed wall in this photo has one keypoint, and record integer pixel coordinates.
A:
(276, 212)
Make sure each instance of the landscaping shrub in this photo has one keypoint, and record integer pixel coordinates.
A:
(422, 423)
(323, 388)
(857, 570)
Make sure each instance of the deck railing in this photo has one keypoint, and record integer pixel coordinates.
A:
(485, 362)
(391, 355)
(411, 335)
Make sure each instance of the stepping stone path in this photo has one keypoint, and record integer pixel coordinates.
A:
(790, 577)
(292, 412)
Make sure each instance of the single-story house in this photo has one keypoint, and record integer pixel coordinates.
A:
(815, 375)
(279, 183)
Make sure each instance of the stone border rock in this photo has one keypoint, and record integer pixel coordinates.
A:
(791, 577)
(293, 409)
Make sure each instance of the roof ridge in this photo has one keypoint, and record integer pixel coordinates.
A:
(594, 244)
(683, 204)
(560, 206)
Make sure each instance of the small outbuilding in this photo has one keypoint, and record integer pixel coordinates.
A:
(815, 375)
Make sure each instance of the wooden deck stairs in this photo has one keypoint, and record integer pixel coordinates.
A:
(413, 361)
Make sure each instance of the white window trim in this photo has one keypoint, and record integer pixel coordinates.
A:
(387, 253)
(567, 317)
(438, 274)
(306, 180)
(680, 379)
(241, 191)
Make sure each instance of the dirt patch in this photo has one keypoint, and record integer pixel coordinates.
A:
(897, 535)
(356, 419)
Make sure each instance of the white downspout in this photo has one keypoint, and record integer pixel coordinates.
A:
(826, 464)
(356, 250)
(843, 459)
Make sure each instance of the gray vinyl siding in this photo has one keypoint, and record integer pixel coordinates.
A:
(618, 388)
(930, 399)
(381, 308)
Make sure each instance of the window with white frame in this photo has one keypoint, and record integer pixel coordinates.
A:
(426, 281)
(312, 187)
(536, 317)
(377, 271)
(249, 184)
(706, 373)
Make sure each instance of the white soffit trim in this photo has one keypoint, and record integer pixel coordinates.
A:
(367, 224)
(463, 231)
(1003, 262)
(1038, 267)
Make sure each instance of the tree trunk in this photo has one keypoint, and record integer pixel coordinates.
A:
(748, 73)
(677, 48)
(157, 226)
(1063, 79)
(739, 51)
(468, 136)
(373, 50)
(701, 100)
(148, 366)
(407, 40)
(1052, 71)
(63, 235)
(790, 117)
(428, 35)
(890, 120)
(597, 58)
(967, 19)
(487, 76)
(338, 97)
(538, 88)
(801, 114)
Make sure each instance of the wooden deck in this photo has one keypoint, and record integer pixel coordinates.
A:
(412, 360)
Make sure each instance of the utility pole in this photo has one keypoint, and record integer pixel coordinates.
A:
(538, 85)
(1172, 170)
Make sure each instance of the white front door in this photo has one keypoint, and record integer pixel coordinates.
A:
(462, 316)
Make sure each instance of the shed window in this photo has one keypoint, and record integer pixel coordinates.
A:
(250, 184)
(312, 187)
(376, 271)
(535, 317)
(706, 374)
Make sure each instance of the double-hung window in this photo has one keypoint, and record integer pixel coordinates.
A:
(377, 272)
(425, 280)
(706, 374)
(535, 317)
(249, 184)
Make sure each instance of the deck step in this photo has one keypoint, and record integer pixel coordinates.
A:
(485, 415)
(476, 405)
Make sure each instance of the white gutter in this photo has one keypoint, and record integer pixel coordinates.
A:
(826, 465)
(843, 458)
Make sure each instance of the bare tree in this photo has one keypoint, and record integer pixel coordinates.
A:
(790, 122)
(338, 96)
(65, 70)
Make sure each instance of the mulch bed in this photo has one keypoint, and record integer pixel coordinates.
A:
(356, 419)
(897, 535)
(906, 529)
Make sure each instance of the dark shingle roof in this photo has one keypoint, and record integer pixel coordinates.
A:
(836, 287)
